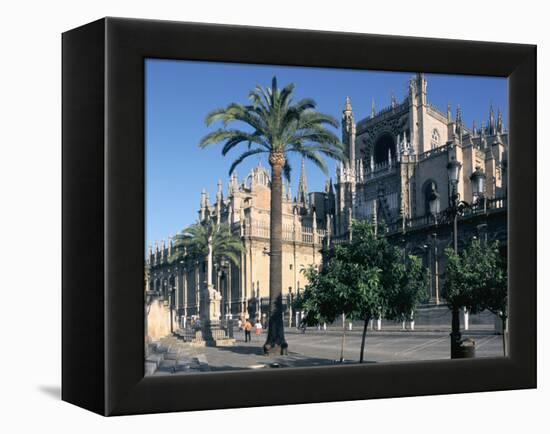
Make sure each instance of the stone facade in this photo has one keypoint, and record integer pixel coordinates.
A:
(396, 168)
(245, 289)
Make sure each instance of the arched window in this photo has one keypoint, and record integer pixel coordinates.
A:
(435, 138)
(383, 148)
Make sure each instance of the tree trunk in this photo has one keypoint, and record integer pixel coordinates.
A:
(363, 339)
(455, 332)
(276, 343)
(343, 338)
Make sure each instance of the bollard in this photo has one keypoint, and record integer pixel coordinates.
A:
(466, 350)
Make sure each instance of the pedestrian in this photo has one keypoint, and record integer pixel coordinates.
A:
(303, 324)
(259, 327)
(240, 324)
(247, 329)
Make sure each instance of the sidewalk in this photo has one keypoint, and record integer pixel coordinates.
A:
(172, 356)
(313, 348)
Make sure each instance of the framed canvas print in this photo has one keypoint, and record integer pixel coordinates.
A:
(309, 216)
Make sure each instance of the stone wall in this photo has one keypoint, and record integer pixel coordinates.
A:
(158, 320)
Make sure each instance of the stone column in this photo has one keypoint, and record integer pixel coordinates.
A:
(466, 319)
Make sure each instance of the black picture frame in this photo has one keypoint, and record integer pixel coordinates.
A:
(103, 215)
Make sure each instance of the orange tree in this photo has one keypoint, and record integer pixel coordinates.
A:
(364, 279)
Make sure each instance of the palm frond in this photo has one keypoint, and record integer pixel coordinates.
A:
(287, 171)
(316, 159)
(278, 123)
(310, 118)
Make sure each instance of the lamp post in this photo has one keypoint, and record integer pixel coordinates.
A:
(290, 306)
(436, 268)
(224, 267)
(456, 207)
(478, 187)
(171, 304)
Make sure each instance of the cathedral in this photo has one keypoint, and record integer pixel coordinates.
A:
(397, 171)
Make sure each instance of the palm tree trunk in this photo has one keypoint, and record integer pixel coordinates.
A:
(275, 342)
(363, 339)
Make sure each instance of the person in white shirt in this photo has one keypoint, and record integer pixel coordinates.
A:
(258, 326)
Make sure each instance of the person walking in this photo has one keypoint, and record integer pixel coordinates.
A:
(247, 329)
(259, 327)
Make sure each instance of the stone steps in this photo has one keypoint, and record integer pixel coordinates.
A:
(171, 355)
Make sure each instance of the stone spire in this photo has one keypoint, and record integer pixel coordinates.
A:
(347, 105)
(449, 112)
(219, 193)
(474, 129)
(372, 109)
(491, 120)
(500, 125)
(417, 89)
(202, 212)
(458, 118)
(302, 186)
(329, 188)
(288, 193)
(233, 183)
(482, 132)
(348, 130)
(458, 125)
(219, 200)
(393, 101)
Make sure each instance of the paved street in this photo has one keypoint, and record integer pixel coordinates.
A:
(318, 347)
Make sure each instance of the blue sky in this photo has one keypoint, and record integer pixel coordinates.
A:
(179, 94)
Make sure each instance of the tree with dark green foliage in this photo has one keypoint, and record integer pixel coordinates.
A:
(364, 279)
(276, 126)
(410, 289)
(475, 280)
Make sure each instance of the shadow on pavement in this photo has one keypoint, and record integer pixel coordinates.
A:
(243, 349)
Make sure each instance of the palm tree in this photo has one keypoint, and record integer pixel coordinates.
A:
(276, 126)
(207, 240)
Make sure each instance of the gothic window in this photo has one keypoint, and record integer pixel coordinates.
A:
(435, 138)
(383, 148)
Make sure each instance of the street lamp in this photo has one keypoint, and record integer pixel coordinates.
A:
(171, 304)
(453, 169)
(290, 300)
(456, 208)
(227, 281)
(478, 184)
